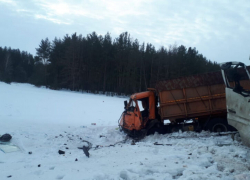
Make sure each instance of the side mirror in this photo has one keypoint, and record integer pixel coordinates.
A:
(125, 104)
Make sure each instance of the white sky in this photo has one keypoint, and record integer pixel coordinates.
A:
(220, 30)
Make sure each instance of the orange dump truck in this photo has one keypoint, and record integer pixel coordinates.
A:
(192, 103)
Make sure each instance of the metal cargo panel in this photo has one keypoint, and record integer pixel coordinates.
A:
(192, 102)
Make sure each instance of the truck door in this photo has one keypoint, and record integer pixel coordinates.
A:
(239, 113)
(238, 98)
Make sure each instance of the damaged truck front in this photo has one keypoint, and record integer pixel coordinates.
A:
(135, 122)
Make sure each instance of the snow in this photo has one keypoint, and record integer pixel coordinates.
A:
(44, 121)
(24, 102)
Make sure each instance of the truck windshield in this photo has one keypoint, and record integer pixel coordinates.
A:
(236, 77)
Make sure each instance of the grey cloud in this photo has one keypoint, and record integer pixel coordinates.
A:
(218, 29)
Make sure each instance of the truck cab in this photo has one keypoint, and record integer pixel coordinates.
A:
(238, 97)
(134, 119)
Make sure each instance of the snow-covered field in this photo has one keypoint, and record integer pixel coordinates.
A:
(43, 121)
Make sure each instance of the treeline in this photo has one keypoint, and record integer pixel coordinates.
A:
(97, 64)
(15, 66)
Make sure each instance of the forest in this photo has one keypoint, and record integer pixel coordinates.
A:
(100, 64)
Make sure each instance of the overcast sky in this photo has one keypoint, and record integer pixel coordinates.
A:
(219, 29)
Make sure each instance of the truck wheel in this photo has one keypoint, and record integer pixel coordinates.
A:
(174, 129)
(218, 125)
(138, 134)
(151, 131)
(156, 128)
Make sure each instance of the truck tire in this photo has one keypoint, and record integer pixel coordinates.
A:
(218, 125)
(137, 135)
(156, 128)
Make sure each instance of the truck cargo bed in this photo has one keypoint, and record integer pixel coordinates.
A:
(193, 96)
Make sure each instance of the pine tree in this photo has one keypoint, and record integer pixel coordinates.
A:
(43, 52)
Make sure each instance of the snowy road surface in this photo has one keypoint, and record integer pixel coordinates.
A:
(44, 121)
